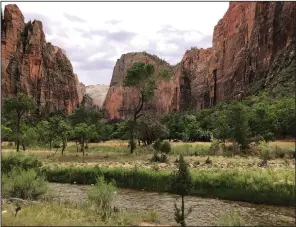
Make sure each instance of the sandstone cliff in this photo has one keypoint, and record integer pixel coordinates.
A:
(254, 47)
(97, 93)
(119, 98)
(35, 67)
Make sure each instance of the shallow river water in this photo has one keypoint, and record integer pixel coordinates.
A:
(205, 212)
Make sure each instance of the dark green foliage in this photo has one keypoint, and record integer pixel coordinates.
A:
(165, 147)
(182, 185)
(157, 144)
(182, 180)
(14, 111)
(19, 160)
(142, 77)
(24, 184)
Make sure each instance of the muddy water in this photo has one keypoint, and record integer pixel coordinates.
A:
(205, 212)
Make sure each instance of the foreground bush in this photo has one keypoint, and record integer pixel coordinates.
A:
(101, 195)
(24, 184)
(20, 160)
(252, 185)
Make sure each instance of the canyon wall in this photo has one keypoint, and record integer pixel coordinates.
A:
(253, 49)
(35, 67)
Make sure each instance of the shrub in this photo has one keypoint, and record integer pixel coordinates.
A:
(20, 160)
(165, 147)
(264, 150)
(214, 146)
(101, 195)
(157, 144)
(24, 184)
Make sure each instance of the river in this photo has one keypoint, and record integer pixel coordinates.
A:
(205, 211)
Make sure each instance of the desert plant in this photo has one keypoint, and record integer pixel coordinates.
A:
(165, 147)
(264, 151)
(20, 160)
(101, 195)
(24, 184)
(157, 144)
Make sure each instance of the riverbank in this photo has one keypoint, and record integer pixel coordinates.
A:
(263, 186)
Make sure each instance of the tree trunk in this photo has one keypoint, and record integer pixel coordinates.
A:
(50, 145)
(132, 137)
(82, 146)
(64, 147)
(183, 215)
(24, 148)
(76, 146)
(18, 133)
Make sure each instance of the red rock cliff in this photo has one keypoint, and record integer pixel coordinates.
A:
(253, 44)
(120, 98)
(35, 67)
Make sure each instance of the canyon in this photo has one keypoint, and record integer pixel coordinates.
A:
(253, 50)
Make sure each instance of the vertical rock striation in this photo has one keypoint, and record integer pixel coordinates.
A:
(35, 67)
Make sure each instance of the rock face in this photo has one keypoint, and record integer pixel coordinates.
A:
(254, 47)
(97, 93)
(252, 44)
(35, 67)
(119, 98)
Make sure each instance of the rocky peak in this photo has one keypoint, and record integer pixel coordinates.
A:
(35, 67)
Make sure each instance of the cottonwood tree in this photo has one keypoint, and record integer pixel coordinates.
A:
(84, 132)
(16, 108)
(142, 77)
(182, 185)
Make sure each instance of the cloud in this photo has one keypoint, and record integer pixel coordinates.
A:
(74, 18)
(93, 65)
(121, 36)
(94, 41)
(113, 22)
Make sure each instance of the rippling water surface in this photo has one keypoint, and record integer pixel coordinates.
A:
(205, 211)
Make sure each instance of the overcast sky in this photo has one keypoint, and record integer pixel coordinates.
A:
(95, 34)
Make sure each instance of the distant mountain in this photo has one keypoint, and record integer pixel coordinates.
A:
(97, 93)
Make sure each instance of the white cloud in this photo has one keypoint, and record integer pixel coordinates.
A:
(95, 34)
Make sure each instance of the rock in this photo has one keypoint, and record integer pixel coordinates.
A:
(252, 44)
(35, 67)
(97, 93)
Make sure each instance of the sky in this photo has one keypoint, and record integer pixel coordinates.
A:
(95, 34)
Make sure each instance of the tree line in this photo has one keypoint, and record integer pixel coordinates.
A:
(260, 117)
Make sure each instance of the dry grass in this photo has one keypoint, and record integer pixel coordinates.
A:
(68, 214)
(116, 154)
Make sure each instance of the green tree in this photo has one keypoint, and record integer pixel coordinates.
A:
(182, 185)
(15, 108)
(142, 77)
(84, 132)
(238, 122)
(28, 137)
(6, 132)
(221, 128)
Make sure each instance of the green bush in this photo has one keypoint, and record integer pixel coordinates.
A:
(157, 144)
(24, 184)
(101, 195)
(264, 150)
(165, 147)
(20, 160)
